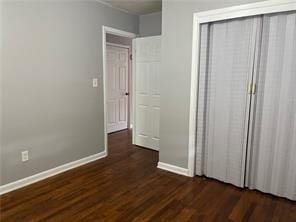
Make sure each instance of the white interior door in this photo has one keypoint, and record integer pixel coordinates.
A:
(117, 88)
(146, 91)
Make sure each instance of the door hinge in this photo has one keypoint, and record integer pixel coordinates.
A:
(131, 57)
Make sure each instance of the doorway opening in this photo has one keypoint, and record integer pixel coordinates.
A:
(117, 68)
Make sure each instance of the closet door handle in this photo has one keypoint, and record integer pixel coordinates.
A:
(250, 88)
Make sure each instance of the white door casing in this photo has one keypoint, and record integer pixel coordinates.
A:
(146, 91)
(117, 87)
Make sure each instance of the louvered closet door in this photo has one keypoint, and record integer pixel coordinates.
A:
(273, 156)
(226, 65)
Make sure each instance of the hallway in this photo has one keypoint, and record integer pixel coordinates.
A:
(127, 186)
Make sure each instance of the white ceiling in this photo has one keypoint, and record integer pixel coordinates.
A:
(137, 7)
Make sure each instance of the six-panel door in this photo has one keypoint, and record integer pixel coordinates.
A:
(117, 87)
(147, 93)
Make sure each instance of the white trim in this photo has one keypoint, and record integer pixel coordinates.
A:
(193, 97)
(260, 8)
(118, 32)
(173, 168)
(134, 43)
(49, 173)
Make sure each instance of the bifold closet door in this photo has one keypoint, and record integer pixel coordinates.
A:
(273, 145)
(226, 66)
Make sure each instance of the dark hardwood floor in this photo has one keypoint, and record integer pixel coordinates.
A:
(127, 186)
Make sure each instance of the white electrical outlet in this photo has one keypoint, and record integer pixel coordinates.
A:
(95, 82)
(25, 155)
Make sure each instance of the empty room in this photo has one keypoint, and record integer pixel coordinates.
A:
(148, 110)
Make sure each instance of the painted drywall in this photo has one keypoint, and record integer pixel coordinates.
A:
(118, 39)
(150, 24)
(128, 42)
(177, 22)
(51, 52)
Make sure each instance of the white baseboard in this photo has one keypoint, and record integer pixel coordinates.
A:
(173, 169)
(49, 173)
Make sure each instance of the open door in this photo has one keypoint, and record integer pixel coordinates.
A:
(146, 77)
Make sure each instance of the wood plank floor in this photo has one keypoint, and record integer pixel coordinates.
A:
(127, 186)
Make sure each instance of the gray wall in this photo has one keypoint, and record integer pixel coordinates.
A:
(118, 40)
(177, 17)
(52, 50)
(150, 24)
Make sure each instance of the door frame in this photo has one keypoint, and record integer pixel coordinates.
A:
(260, 8)
(118, 32)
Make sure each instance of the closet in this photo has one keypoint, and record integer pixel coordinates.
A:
(246, 107)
